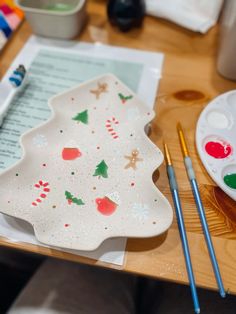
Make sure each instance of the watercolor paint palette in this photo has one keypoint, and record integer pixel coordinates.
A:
(216, 141)
(86, 174)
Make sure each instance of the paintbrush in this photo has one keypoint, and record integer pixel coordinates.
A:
(182, 231)
(200, 208)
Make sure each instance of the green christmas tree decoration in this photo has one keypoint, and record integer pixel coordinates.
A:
(82, 117)
(72, 199)
(101, 170)
(124, 98)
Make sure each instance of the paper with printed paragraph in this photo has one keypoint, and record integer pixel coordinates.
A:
(54, 67)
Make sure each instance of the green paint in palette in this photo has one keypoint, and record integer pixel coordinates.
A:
(230, 180)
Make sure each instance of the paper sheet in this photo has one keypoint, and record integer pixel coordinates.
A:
(54, 66)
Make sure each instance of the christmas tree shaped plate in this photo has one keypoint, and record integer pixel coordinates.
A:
(86, 174)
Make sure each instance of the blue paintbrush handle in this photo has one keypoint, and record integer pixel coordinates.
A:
(183, 236)
(201, 212)
(207, 236)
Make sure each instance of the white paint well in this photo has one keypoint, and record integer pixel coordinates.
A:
(218, 120)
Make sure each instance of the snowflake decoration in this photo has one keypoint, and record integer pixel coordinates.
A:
(133, 113)
(40, 140)
(140, 211)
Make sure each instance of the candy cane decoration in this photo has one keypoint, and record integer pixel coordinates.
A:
(110, 128)
(44, 186)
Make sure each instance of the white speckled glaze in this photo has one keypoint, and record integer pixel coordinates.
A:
(138, 209)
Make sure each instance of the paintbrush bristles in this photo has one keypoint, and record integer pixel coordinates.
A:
(167, 154)
(182, 140)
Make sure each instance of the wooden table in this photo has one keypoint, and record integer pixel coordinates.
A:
(189, 81)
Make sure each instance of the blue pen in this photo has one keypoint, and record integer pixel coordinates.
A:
(200, 208)
(182, 231)
(8, 91)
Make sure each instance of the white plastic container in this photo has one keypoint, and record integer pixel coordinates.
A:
(226, 64)
(55, 18)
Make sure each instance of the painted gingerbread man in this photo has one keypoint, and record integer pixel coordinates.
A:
(133, 159)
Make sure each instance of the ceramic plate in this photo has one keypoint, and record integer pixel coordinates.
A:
(86, 174)
(216, 141)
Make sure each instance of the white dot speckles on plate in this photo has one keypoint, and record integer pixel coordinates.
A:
(133, 113)
(76, 180)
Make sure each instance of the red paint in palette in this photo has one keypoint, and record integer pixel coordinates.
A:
(218, 149)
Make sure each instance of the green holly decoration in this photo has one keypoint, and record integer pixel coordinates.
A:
(82, 117)
(124, 98)
(72, 199)
(101, 170)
